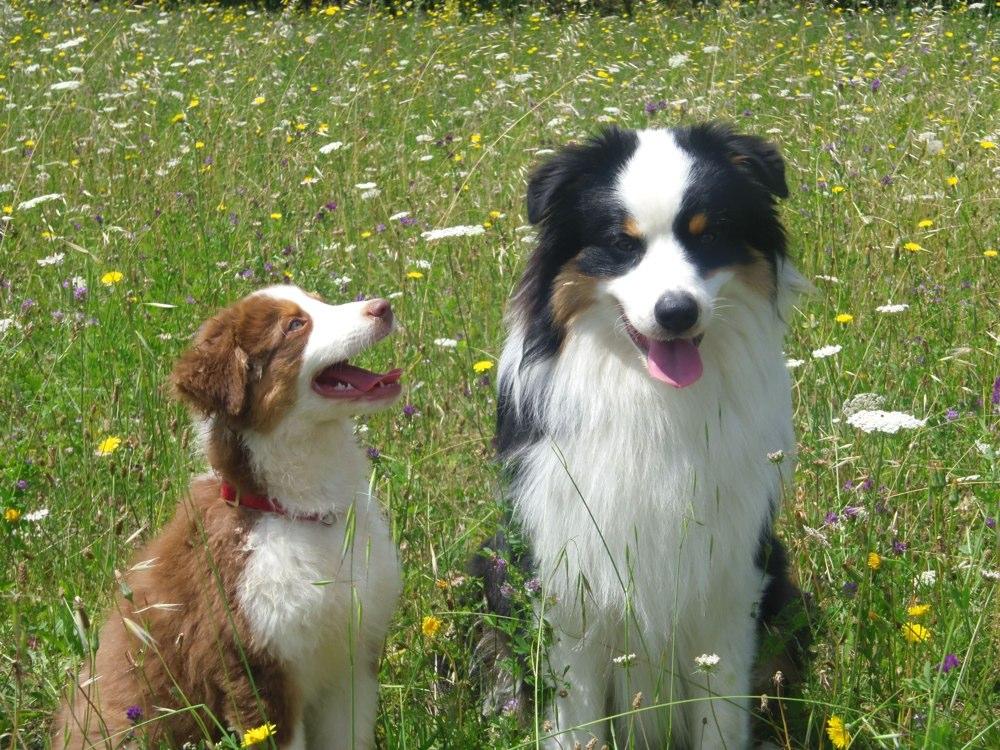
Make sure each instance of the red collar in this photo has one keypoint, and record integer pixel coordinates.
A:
(233, 497)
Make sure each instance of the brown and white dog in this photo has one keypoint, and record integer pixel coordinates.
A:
(267, 597)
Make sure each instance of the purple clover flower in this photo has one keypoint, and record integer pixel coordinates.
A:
(851, 589)
(374, 453)
(409, 411)
(950, 662)
(899, 546)
(407, 221)
(533, 585)
(876, 84)
(991, 522)
(951, 415)
(21, 485)
(506, 590)
(995, 398)
(133, 713)
(831, 519)
(852, 511)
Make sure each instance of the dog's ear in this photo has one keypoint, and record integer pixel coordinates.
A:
(546, 181)
(760, 161)
(212, 374)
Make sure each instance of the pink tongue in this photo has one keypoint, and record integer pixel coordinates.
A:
(363, 380)
(676, 362)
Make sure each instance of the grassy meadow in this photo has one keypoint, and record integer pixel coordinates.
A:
(157, 162)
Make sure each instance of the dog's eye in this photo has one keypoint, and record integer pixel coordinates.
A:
(627, 241)
(295, 324)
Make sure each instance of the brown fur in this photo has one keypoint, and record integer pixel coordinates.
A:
(572, 293)
(758, 274)
(198, 648)
(631, 227)
(241, 369)
(697, 224)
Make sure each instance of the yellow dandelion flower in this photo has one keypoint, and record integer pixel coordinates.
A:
(194, 103)
(918, 610)
(179, 117)
(108, 446)
(412, 274)
(495, 214)
(275, 215)
(430, 626)
(925, 224)
(837, 189)
(11, 515)
(987, 145)
(475, 138)
(837, 732)
(258, 734)
(112, 277)
(874, 560)
(482, 366)
(844, 318)
(199, 144)
(913, 247)
(991, 253)
(366, 234)
(914, 632)
(331, 10)
(259, 100)
(8, 209)
(952, 181)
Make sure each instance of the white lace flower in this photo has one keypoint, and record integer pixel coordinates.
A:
(891, 308)
(889, 422)
(459, 231)
(706, 662)
(826, 351)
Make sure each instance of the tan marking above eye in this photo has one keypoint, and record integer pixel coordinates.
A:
(697, 224)
(631, 227)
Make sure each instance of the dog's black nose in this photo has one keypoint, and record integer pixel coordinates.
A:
(676, 312)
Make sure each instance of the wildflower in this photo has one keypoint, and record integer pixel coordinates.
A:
(374, 453)
(133, 713)
(11, 515)
(179, 117)
(990, 253)
(623, 660)
(677, 60)
(37, 515)
(776, 457)
(65, 86)
(831, 519)
(952, 181)
(112, 277)
(706, 662)
(889, 422)
(826, 351)
(334, 146)
(913, 247)
(837, 732)
(844, 318)
(850, 589)
(791, 364)
(837, 189)
(414, 275)
(951, 415)
(194, 102)
(258, 734)
(51, 260)
(446, 343)
(874, 560)
(986, 145)
(995, 396)
(259, 100)
(430, 626)
(925, 224)
(108, 446)
(891, 308)
(511, 706)
(275, 215)
(918, 610)
(482, 366)
(459, 231)
(914, 632)
(950, 662)
(409, 410)
(927, 578)
(32, 202)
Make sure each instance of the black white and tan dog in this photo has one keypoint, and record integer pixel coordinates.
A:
(641, 390)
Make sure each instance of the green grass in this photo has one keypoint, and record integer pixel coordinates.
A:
(182, 208)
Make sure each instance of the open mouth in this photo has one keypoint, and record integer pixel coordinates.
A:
(345, 381)
(676, 362)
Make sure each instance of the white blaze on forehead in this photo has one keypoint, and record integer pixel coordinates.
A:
(652, 183)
